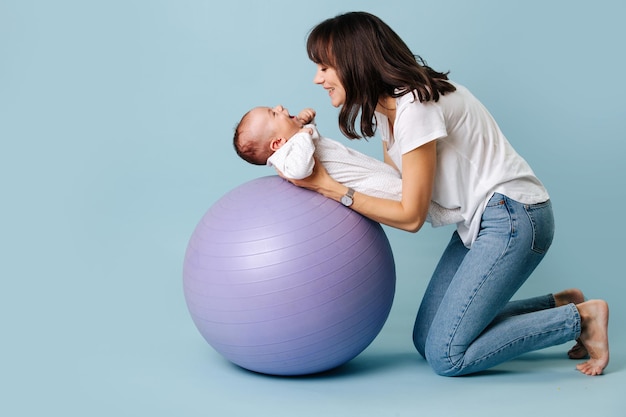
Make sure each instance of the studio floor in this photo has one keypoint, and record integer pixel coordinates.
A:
(128, 347)
(183, 376)
(389, 379)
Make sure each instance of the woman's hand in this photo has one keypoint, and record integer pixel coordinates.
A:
(306, 130)
(315, 181)
(418, 171)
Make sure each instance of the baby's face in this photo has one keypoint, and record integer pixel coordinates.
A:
(276, 120)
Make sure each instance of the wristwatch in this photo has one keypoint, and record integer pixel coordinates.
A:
(347, 199)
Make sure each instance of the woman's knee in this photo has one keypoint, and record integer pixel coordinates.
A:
(419, 341)
(443, 367)
(441, 361)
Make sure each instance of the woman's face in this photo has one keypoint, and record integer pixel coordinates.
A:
(327, 78)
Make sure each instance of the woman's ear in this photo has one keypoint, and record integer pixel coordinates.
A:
(276, 143)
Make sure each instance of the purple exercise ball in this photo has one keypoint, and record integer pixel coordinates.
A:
(284, 281)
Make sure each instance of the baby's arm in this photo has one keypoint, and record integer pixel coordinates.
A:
(294, 160)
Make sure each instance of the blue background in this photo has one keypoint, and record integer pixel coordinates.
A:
(116, 122)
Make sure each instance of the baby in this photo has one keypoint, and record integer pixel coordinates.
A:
(271, 136)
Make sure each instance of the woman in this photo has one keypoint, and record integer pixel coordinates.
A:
(449, 150)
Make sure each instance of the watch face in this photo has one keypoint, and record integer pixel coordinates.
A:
(346, 201)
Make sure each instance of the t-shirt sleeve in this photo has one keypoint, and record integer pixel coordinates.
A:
(417, 124)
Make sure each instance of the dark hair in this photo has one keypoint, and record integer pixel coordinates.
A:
(247, 145)
(371, 61)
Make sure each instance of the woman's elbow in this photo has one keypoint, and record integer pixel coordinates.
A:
(413, 227)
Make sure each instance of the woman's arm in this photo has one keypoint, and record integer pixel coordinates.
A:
(418, 172)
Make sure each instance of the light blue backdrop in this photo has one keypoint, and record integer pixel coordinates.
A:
(116, 122)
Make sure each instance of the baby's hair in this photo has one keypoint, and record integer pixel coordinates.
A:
(247, 145)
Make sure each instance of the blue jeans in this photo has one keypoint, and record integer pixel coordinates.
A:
(466, 322)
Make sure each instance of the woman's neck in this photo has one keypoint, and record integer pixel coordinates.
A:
(387, 106)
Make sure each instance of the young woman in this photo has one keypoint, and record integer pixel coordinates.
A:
(450, 150)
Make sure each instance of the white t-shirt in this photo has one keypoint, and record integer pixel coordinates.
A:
(474, 158)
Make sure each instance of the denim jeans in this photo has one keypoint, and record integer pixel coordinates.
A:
(466, 322)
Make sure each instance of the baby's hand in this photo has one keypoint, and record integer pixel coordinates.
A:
(306, 116)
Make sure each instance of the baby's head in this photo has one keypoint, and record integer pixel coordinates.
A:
(262, 131)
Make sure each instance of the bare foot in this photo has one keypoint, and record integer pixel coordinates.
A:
(594, 316)
(574, 296)
(578, 351)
